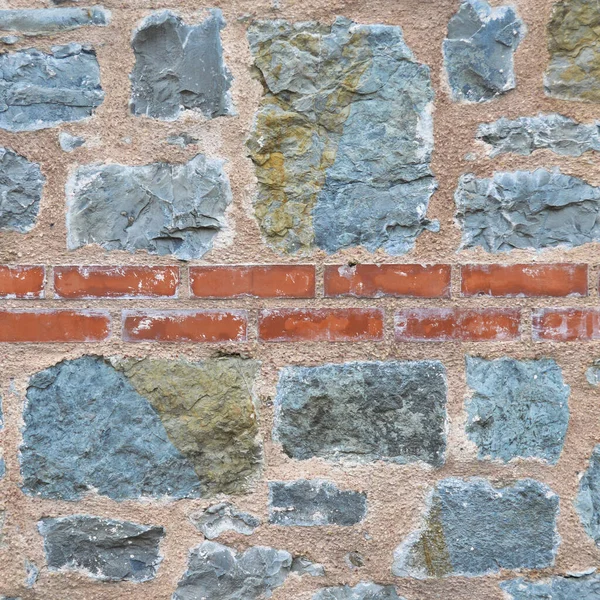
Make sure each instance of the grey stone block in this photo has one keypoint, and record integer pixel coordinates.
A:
(361, 591)
(587, 502)
(585, 587)
(69, 142)
(222, 517)
(40, 21)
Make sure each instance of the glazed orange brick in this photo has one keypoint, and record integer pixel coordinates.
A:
(266, 281)
(21, 281)
(184, 326)
(321, 325)
(375, 281)
(53, 326)
(115, 282)
(525, 280)
(566, 324)
(457, 324)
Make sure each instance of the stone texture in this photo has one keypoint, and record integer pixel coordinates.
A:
(222, 517)
(585, 587)
(587, 502)
(162, 208)
(524, 209)
(554, 132)
(592, 374)
(51, 20)
(307, 503)
(343, 137)
(178, 67)
(518, 408)
(471, 528)
(301, 565)
(479, 49)
(363, 411)
(39, 90)
(102, 548)
(142, 429)
(21, 185)
(69, 142)
(361, 591)
(574, 46)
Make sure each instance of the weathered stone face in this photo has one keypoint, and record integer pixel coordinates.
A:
(588, 498)
(343, 137)
(42, 21)
(479, 49)
(222, 517)
(524, 209)
(179, 67)
(518, 408)
(161, 208)
(39, 90)
(21, 185)
(471, 528)
(305, 503)
(585, 587)
(102, 548)
(527, 134)
(69, 142)
(361, 591)
(363, 411)
(574, 46)
(143, 429)
(593, 373)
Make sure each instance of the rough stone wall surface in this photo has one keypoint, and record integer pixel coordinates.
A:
(299, 300)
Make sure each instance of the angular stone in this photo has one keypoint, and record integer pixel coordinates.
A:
(593, 373)
(361, 591)
(182, 140)
(32, 573)
(524, 209)
(40, 21)
(363, 411)
(21, 184)
(518, 408)
(178, 67)
(162, 208)
(142, 429)
(343, 137)
(585, 587)
(218, 518)
(301, 565)
(69, 142)
(479, 49)
(471, 528)
(102, 548)
(574, 45)
(307, 503)
(554, 132)
(587, 502)
(39, 90)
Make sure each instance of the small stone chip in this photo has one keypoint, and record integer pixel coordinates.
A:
(222, 517)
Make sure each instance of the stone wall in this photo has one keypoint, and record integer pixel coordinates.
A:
(299, 300)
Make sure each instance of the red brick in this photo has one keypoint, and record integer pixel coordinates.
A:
(566, 324)
(53, 326)
(268, 281)
(457, 324)
(21, 282)
(374, 281)
(524, 280)
(184, 326)
(115, 282)
(321, 325)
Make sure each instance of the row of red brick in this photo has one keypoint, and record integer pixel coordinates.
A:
(298, 281)
(299, 325)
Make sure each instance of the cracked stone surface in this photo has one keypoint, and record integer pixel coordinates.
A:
(361, 591)
(554, 132)
(587, 502)
(179, 67)
(342, 139)
(39, 90)
(102, 548)
(579, 587)
(307, 503)
(21, 185)
(222, 517)
(221, 573)
(517, 408)
(471, 528)
(161, 208)
(140, 429)
(574, 46)
(479, 49)
(363, 411)
(524, 209)
(42, 21)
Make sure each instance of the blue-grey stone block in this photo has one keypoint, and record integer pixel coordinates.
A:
(39, 21)
(69, 142)
(587, 502)
(584, 587)
(361, 591)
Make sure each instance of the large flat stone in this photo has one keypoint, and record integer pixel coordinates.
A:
(363, 411)
(343, 137)
(471, 528)
(40, 21)
(161, 208)
(361, 591)
(585, 587)
(102, 548)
